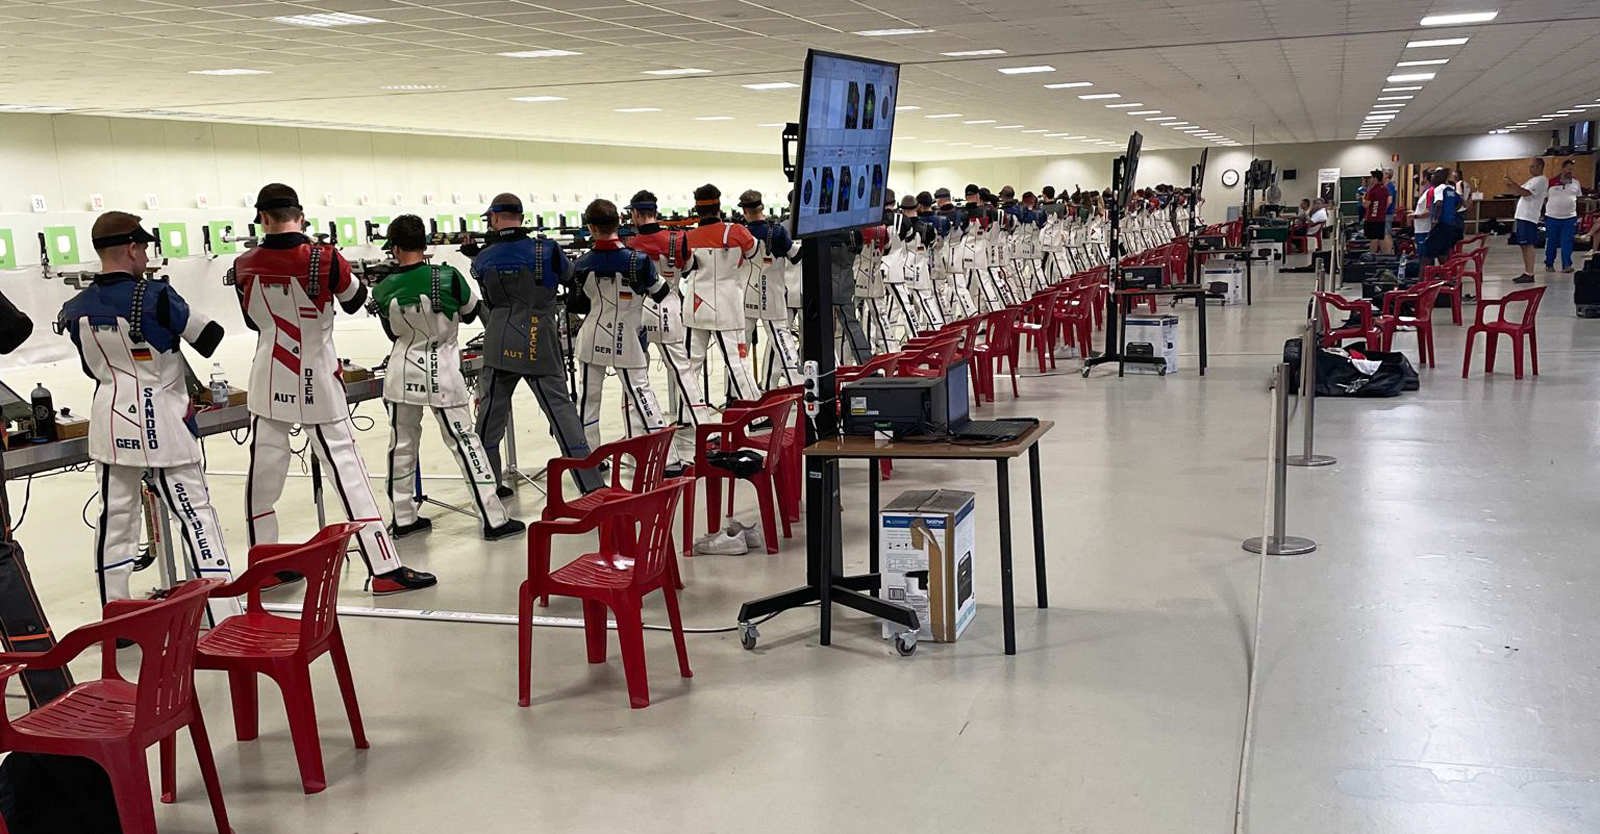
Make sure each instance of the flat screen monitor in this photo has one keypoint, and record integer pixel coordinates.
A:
(1130, 168)
(13, 408)
(846, 124)
(956, 406)
(1581, 137)
(1198, 176)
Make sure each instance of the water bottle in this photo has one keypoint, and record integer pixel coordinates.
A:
(219, 385)
(44, 415)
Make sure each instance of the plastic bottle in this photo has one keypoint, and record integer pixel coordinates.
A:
(219, 385)
(44, 415)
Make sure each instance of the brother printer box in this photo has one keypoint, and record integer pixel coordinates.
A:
(926, 538)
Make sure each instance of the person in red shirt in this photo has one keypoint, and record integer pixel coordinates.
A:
(1375, 208)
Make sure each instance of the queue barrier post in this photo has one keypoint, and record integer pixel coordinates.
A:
(1276, 542)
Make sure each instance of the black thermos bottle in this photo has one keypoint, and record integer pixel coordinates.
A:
(44, 415)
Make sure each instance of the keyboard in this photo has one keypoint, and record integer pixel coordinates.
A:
(994, 429)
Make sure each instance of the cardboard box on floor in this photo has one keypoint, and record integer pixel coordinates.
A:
(926, 538)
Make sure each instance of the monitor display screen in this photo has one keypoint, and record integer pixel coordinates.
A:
(956, 407)
(846, 123)
(1130, 171)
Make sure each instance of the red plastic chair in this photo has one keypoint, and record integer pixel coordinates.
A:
(997, 348)
(282, 648)
(791, 465)
(647, 453)
(933, 360)
(1450, 274)
(733, 434)
(1502, 325)
(634, 558)
(1075, 311)
(1332, 336)
(112, 721)
(1422, 297)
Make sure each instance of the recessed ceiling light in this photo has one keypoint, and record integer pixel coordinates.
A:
(1458, 19)
(1037, 130)
(954, 144)
(1550, 115)
(1143, 112)
(1411, 76)
(1067, 85)
(1380, 117)
(230, 72)
(713, 118)
(1162, 119)
(1438, 42)
(1027, 70)
(771, 85)
(539, 53)
(1541, 119)
(1005, 148)
(326, 19)
(1395, 98)
(971, 53)
(978, 121)
(1400, 89)
(1195, 130)
(638, 110)
(412, 87)
(982, 146)
(1177, 124)
(538, 98)
(1568, 112)
(1091, 96)
(889, 33)
(1125, 104)
(679, 71)
(1431, 62)
(907, 107)
(1070, 138)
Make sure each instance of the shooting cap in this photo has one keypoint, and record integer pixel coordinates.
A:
(506, 203)
(924, 199)
(972, 189)
(888, 198)
(643, 200)
(117, 228)
(942, 194)
(750, 199)
(1049, 192)
(706, 196)
(908, 203)
(276, 196)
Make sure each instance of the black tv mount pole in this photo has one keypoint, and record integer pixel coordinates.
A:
(826, 582)
(1115, 352)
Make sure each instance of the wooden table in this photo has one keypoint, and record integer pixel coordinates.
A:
(830, 586)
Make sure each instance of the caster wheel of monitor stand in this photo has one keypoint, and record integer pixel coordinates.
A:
(748, 636)
(1086, 372)
(905, 643)
(1161, 371)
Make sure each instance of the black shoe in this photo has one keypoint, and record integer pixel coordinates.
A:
(282, 577)
(676, 470)
(1524, 278)
(400, 580)
(510, 528)
(503, 492)
(400, 531)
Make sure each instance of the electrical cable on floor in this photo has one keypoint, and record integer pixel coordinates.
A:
(84, 513)
(1245, 744)
(27, 496)
(539, 621)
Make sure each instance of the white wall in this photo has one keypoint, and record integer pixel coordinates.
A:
(67, 158)
(1093, 171)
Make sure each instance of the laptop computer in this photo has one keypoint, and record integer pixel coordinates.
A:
(962, 427)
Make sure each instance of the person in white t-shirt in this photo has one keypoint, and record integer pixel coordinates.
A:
(1561, 217)
(1529, 209)
(1319, 213)
(1458, 181)
(1422, 215)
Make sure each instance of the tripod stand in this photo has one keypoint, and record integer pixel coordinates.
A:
(1115, 351)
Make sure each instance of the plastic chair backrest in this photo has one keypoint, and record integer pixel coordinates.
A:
(1527, 301)
(640, 529)
(320, 561)
(166, 633)
(649, 453)
(933, 360)
(1328, 300)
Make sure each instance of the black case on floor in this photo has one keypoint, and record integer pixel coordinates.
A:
(1586, 289)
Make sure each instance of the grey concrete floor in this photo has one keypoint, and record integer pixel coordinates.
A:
(1431, 669)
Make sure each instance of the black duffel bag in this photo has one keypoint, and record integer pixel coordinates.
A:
(1339, 374)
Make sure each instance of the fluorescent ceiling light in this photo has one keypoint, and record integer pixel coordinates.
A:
(1438, 42)
(1059, 135)
(889, 33)
(1550, 115)
(713, 118)
(1541, 120)
(1067, 85)
(1005, 148)
(982, 146)
(771, 85)
(31, 108)
(680, 71)
(1568, 112)
(412, 87)
(1122, 104)
(1162, 119)
(1014, 127)
(945, 116)
(1400, 89)
(1036, 130)
(1395, 98)
(1458, 19)
(539, 53)
(977, 121)
(1431, 62)
(538, 98)
(906, 107)
(1092, 96)
(1371, 119)
(972, 53)
(780, 124)
(325, 19)
(230, 72)
(1144, 112)
(1177, 124)
(638, 110)
(1411, 76)
(1389, 104)
(1195, 130)
(954, 144)
(1027, 70)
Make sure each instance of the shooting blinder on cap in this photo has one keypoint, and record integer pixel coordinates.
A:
(642, 201)
(504, 203)
(136, 235)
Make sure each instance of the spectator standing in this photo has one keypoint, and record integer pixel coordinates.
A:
(1529, 208)
(1561, 217)
(1422, 215)
(1464, 190)
(1394, 202)
(1444, 204)
(1375, 214)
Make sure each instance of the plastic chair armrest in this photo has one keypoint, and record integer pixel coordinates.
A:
(268, 551)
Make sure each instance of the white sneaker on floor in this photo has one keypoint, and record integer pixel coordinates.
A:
(751, 534)
(721, 544)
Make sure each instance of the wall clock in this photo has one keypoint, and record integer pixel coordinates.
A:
(1230, 178)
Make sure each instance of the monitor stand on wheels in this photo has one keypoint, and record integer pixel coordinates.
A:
(1115, 351)
(826, 582)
